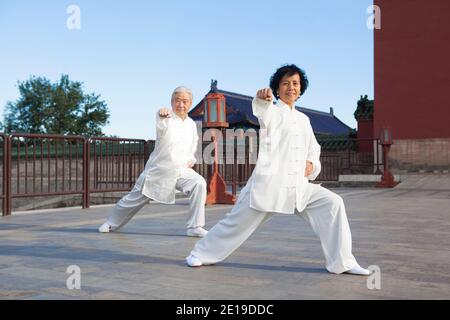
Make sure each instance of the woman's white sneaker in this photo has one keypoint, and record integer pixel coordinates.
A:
(193, 261)
(105, 228)
(196, 232)
(358, 270)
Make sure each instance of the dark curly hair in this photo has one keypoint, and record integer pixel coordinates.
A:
(289, 70)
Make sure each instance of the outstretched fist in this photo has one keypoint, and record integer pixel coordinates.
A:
(308, 168)
(164, 113)
(264, 94)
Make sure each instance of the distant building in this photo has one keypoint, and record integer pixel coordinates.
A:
(412, 79)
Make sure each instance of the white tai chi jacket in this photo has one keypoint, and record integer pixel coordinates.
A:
(287, 140)
(176, 144)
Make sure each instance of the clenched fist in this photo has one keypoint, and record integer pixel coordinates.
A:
(264, 94)
(164, 113)
(309, 168)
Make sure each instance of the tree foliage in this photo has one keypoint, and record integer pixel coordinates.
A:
(55, 108)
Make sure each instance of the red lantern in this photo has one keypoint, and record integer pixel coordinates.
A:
(386, 136)
(215, 116)
(215, 112)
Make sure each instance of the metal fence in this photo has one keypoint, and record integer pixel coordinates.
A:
(338, 156)
(41, 165)
(44, 165)
(349, 156)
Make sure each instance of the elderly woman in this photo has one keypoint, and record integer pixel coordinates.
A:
(288, 160)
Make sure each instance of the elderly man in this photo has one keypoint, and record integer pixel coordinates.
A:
(168, 168)
(288, 158)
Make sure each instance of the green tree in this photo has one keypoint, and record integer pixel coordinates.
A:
(57, 108)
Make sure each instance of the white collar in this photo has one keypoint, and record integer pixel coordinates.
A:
(284, 105)
(177, 117)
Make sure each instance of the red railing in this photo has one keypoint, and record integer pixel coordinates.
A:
(56, 163)
(5, 190)
(116, 163)
(349, 156)
(38, 165)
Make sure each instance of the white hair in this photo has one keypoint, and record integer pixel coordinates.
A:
(182, 89)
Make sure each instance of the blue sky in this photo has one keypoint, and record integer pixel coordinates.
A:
(134, 53)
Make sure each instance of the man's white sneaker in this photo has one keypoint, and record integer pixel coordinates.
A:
(193, 261)
(105, 228)
(358, 270)
(196, 232)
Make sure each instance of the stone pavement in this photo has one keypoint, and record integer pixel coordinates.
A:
(406, 233)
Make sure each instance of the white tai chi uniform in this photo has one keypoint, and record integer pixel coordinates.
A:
(167, 170)
(278, 185)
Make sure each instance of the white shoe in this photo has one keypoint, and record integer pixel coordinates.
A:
(196, 232)
(193, 261)
(358, 270)
(105, 228)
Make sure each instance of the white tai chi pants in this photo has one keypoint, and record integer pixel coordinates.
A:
(191, 184)
(325, 211)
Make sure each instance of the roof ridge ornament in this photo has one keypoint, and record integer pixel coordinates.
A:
(213, 85)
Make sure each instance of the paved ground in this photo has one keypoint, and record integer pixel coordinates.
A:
(404, 232)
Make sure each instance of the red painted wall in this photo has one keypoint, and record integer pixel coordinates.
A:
(412, 69)
(365, 131)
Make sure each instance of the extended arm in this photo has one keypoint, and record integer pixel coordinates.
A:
(263, 107)
(162, 118)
